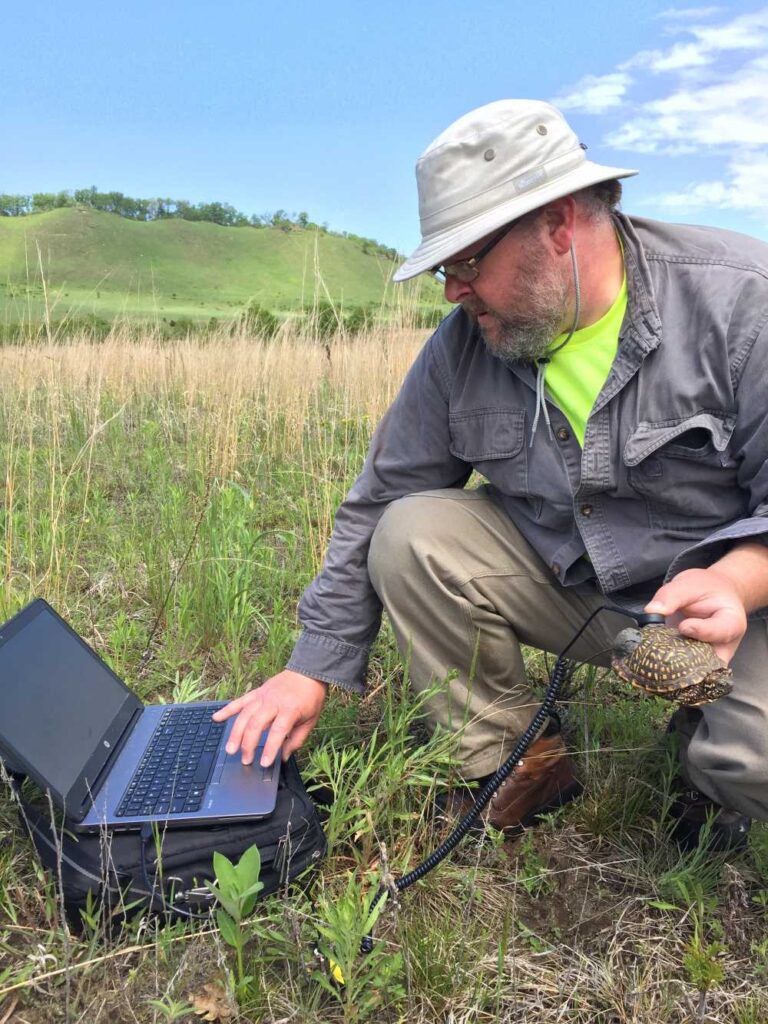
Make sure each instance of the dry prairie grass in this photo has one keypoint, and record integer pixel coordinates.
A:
(280, 375)
(117, 456)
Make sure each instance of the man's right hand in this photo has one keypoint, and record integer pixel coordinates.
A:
(287, 705)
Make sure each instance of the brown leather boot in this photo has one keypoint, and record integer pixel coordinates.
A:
(542, 781)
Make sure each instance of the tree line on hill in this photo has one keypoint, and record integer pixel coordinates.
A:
(162, 209)
(320, 320)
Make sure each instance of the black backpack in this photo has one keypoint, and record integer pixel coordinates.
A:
(121, 874)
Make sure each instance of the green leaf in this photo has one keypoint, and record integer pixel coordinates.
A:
(248, 899)
(226, 875)
(229, 930)
(249, 868)
(661, 905)
(252, 889)
(323, 982)
(375, 913)
(230, 904)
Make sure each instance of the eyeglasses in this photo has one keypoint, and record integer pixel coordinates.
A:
(467, 270)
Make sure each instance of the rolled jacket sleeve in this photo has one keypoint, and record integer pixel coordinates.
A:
(749, 444)
(673, 472)
(340, 612)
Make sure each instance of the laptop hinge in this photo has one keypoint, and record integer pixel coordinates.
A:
(95, 786)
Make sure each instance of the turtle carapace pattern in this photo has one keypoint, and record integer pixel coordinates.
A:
(664, 663)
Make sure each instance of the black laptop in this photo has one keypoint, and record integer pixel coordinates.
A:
(70, 724)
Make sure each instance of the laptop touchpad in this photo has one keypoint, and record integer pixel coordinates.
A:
(254, 786)
(233, 768)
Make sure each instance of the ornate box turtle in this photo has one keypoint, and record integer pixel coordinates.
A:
(666, 664)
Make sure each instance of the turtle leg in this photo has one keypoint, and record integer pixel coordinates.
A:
(691, 696)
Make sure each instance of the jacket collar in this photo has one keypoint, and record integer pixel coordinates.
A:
(642, 321)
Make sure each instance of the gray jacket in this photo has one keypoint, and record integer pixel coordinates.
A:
(674, 466)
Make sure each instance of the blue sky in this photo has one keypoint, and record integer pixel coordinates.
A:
(324, 107)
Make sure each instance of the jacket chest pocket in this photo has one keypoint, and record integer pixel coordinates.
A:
(493, 441)
(684, 471)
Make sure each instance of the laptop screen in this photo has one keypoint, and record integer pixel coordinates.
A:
(58, 701)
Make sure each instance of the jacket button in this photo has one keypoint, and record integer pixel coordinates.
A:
(556, 568)
(564, 434)
(586, 510)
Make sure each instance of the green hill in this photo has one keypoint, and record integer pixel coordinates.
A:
(99, 264)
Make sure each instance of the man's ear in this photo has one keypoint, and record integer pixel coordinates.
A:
(560, 218)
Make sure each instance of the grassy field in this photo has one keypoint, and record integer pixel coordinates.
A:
(74, 263)
(192, 486)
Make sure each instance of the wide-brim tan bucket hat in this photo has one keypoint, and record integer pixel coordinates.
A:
(490, 167)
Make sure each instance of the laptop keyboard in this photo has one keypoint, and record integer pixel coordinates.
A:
(177, 764)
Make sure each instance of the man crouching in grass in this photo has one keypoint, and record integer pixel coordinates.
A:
(605, 374)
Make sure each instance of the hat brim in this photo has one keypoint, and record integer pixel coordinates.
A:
(436, 249)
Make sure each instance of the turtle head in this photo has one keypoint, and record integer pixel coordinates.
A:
(625, 642)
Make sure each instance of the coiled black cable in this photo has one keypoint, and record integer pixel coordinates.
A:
(559, 675)
(561, 671)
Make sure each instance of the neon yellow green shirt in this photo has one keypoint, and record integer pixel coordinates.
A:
(576, 374)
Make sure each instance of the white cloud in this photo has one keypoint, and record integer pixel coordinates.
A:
(745, 189)
(747, 32)
(732, 111)
(686, 13)
(651, 135)
(595, 93)
(677, 58)
(708, 43)
(695, 196)
(750, 182)
(705, 95)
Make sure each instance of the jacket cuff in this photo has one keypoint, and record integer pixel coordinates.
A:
(330, 660)
(707, 552)
(718, 544)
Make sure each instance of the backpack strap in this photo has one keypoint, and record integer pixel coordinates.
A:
(57, 851)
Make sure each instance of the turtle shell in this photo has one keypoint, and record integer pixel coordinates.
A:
(661, 661)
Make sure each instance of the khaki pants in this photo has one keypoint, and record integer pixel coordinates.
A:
(463, 590)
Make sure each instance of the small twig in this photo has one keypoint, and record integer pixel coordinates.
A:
(156, 625)
(387, 878)
(9, 1012)
(58, 838)
(28, 982)
(701, 1008)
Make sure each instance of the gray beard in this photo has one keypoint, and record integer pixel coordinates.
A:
(519, 341)
(524, 336)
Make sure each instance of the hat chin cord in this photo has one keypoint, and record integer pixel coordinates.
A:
(541, 364)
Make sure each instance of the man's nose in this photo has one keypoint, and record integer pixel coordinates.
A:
(456, 290)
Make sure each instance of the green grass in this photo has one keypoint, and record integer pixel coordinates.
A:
(172, 502)
(81, 262)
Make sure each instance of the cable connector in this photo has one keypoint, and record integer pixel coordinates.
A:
(641, 618)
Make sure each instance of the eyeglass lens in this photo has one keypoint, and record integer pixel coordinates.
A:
(467, 270)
